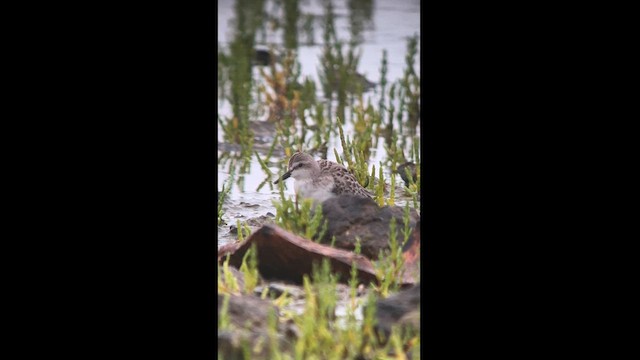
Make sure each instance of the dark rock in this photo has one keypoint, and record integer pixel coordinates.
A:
(260, 220)
(248, 319)
(402, 171)
(230, 344)
(247, 205)
(349, 217)
(291, 330)
(251, 309)
(262, 57)
(401, 309)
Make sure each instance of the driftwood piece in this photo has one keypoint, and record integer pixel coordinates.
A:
(286, 256)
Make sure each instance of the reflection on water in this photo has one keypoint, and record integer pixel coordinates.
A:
(337, 47)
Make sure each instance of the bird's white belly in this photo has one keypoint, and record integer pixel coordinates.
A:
(319, 191)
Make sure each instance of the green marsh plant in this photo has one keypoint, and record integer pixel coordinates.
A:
(355, 156)
(324, 336)
(249, 269)
(222, 195)
(237, 71)
(411, 84)
(227, 283)
(390, 264)
(300, 216)
(243, 230)
(379, 194)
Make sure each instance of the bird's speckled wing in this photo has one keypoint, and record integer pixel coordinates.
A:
(344, 181)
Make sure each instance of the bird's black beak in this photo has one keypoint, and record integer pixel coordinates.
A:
(283, 177)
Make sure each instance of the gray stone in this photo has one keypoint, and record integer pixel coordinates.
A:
(248, 319)
(401, 309)
(349, 217)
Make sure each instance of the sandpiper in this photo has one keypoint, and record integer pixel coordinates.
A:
(320, 180)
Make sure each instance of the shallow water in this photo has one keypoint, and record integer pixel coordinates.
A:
(392, 24)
